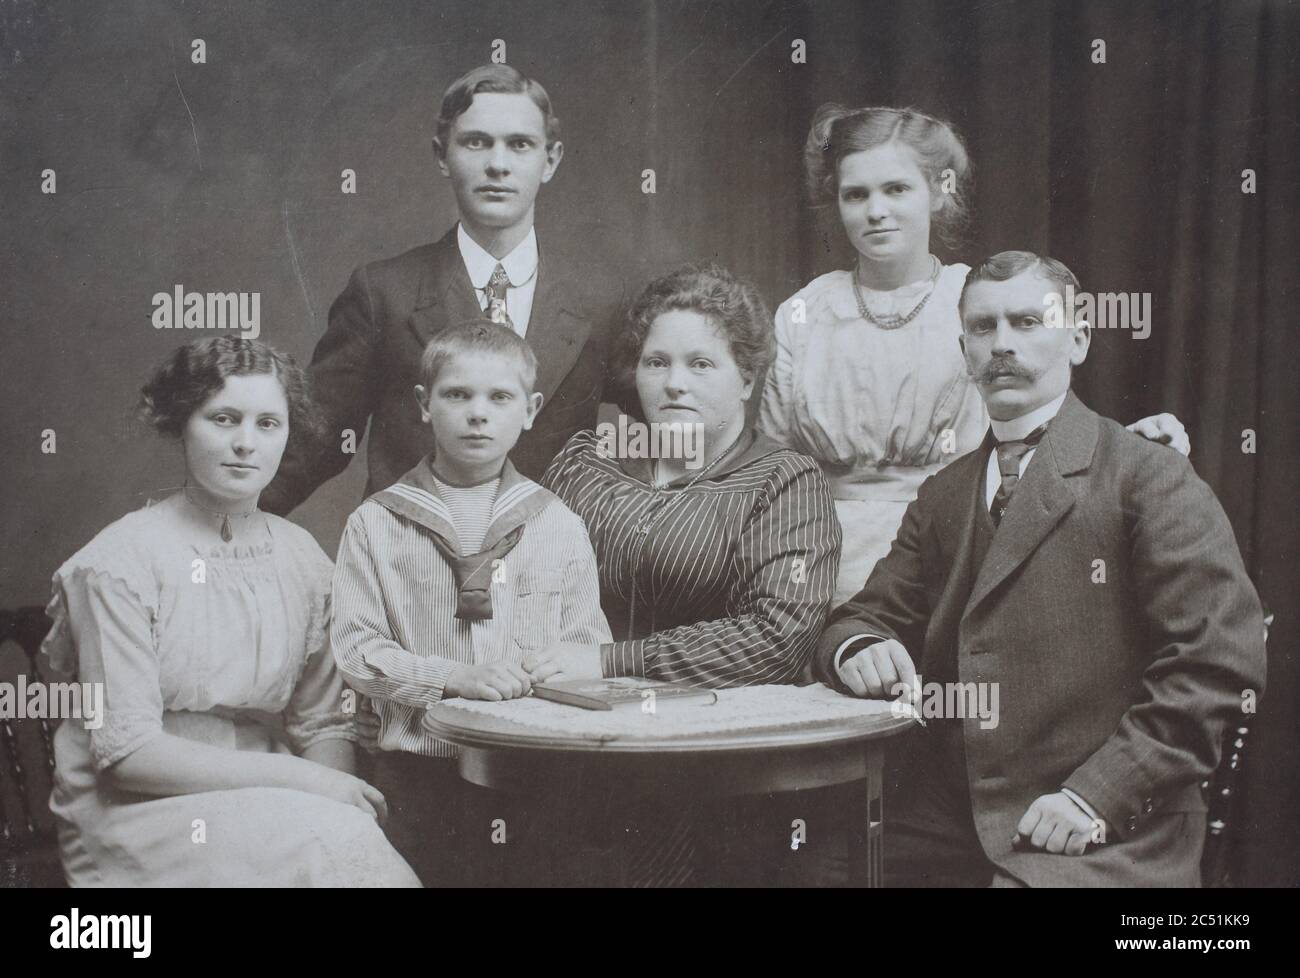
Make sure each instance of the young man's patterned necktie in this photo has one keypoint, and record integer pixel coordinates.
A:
(496, 296)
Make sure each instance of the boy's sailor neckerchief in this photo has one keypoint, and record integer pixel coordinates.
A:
(415, 497)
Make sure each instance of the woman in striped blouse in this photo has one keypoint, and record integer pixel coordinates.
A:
(715, 570)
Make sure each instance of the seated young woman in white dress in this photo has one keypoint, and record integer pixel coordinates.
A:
(225, 750)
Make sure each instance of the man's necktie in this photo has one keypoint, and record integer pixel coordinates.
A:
(1009, 455)
(496, 296)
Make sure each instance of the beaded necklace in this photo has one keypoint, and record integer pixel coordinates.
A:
(895, 321)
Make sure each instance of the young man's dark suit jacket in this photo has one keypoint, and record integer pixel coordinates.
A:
(1119, 691)
(368, 361)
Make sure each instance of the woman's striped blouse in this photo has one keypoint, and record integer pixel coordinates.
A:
(725, 583)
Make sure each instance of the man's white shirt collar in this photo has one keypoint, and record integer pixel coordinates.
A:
(1013, 430)
(520, 264)
(1017, 428)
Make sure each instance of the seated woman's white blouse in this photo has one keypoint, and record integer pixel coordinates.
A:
(168, 625)
(224, 644)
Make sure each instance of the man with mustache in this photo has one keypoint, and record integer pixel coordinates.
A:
(1094, 578)
(497, 142)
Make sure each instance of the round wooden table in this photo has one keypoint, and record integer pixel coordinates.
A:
(499, 754)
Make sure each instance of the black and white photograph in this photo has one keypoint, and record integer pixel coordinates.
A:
(651, 444)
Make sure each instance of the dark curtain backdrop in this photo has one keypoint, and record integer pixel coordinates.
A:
(225, 176)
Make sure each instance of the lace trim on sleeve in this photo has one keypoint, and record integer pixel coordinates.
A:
(121, 735)
(97, 557)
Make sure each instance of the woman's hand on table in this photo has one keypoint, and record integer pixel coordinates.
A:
(490, 681)
(1165, 429)
(876, 672)
(564, 660)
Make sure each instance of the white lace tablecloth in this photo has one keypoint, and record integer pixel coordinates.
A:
(751, 708)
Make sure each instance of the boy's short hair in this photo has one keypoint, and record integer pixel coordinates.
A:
(498, 79)
(477, 336)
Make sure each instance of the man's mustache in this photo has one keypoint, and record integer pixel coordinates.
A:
(1002, 366)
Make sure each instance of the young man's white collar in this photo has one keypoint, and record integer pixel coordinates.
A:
(1015, 430)
(520, 266)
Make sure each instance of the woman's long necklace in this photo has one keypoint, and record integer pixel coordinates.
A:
(652, 517)
(894, 322)
(226, 533)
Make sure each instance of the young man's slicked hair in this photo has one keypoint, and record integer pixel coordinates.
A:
(497, 79)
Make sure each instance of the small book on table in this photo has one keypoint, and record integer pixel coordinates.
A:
(624, 693)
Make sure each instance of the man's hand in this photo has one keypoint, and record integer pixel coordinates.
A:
(564, 660)
(491, 681)
(874, 672)
(1165, 429)
(1056, 824)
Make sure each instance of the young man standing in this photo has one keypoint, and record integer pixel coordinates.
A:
(497, 142)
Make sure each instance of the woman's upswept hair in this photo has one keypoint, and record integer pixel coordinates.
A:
(732, 304)
(838, 131)
(194, 372)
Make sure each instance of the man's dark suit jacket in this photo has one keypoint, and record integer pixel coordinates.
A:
(1119, 691)
(368, 361)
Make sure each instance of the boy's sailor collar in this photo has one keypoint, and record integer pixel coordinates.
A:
(415, 497)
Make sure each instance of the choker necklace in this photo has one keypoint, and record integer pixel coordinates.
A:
(895, 321)
(226, 533)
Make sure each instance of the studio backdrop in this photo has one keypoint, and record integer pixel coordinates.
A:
(1165, 166)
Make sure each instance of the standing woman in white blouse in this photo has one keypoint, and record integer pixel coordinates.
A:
(869, 379)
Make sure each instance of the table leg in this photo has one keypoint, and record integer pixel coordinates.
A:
(866, 839)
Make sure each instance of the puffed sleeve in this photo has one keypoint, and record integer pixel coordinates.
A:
(566, 468)
(775, 410)
(103, 630)
(320, 707)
